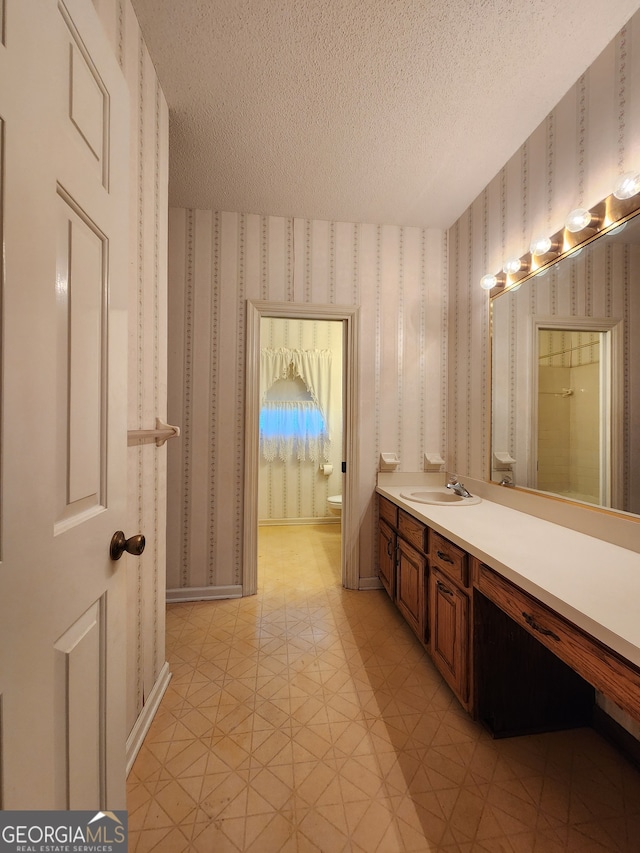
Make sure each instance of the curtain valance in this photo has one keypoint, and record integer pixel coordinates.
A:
(313, 366)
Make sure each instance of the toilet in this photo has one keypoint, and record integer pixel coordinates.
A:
(334, 504)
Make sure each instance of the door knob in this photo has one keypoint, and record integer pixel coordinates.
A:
(119, 544)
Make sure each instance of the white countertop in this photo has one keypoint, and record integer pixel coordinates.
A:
(594, 584)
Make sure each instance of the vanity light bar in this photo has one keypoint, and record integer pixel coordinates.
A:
(627, 186)
(541, 246)
(580, 228)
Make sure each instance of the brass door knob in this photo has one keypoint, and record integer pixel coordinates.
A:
(119, 544)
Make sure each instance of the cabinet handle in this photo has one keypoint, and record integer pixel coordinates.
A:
(389, 549)
(443, 588)
(546, 632)
(442, 556)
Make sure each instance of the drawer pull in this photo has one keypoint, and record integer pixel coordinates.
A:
(444, 557)
(443, 588)
(531, 622)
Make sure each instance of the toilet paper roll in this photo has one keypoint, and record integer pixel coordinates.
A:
(326, 470)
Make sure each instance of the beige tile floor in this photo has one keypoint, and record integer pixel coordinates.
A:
(307, 718)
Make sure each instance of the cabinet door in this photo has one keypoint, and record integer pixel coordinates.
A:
(450, 633)
(410, 587)
(387, 558)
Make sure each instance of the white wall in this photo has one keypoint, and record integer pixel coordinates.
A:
(147, 391)
(219, 260)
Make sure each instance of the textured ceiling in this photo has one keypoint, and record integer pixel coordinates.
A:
(384, 111)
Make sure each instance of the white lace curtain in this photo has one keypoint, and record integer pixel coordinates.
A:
(299, 427)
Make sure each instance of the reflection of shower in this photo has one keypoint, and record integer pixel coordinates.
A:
(573, 436)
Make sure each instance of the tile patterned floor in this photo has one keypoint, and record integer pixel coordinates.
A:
(307, 718)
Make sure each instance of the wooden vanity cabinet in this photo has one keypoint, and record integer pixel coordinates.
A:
(450, 615)
(387, 558)
(428, 578)
(388, 511)
(513, 662)
(582, 655)
(411, 575)
(403, 564)
(387, 545)
(450, 633)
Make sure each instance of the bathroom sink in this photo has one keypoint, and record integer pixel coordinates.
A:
(439, 497)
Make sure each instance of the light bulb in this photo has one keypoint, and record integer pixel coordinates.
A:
(488, 282)
(577, 220)
(540, 246)
(512, 266)
(627, 185)
(618, 228)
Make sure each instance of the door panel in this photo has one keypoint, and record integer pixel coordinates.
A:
(80, 680)
(64, 105)
(450, 633)
(88, 102)
(410, 579)
(81, 291)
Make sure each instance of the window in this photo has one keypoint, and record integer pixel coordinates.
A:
(293, 421)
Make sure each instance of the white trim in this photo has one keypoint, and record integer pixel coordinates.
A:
(350, 315)
(146, 715)
(203, 593)
(284, 522)
(370, 583)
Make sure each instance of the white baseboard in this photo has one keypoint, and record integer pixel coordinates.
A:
(145, 718)
(282, 522)
(203, 593)
(370, 583)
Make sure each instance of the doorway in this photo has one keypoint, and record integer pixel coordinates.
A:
(301, 429)
(347, 317)
(576, 422)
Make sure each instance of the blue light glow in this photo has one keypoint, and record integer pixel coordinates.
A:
(286, 422)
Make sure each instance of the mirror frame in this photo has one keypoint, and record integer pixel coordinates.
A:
(606, 216)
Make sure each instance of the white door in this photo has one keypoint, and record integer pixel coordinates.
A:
(64, 113)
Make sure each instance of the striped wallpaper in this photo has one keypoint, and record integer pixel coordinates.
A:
(424, 360)
(219, 260)
(573, 158)
(147, 378)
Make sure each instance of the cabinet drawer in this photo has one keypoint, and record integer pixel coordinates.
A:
(596, 663)
(450, 559)
(412, 530)
(388, 511)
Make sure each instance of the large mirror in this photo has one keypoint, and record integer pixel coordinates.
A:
(565, 389)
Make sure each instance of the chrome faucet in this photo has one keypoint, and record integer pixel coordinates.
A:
(456, 486)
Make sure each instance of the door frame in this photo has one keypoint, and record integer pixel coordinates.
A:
(350, 315)
(612, 443)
